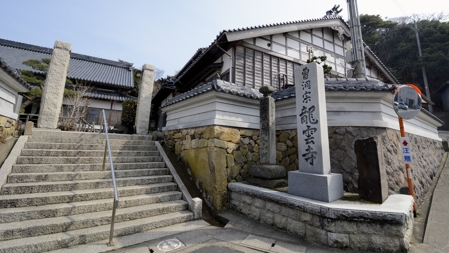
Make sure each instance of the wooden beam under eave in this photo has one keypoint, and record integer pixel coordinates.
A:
(285, 28)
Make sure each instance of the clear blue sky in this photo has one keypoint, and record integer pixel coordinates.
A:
(165, 33)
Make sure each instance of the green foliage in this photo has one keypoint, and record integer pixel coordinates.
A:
(137, 79)
(321, 59)
(394, 42)
(129, 108)
(32, 78)
(34, 95)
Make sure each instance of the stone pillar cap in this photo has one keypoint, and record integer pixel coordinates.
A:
(148, 67)
(63, 45)
(266, 90)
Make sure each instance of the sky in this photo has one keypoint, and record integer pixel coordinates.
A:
(166, 33)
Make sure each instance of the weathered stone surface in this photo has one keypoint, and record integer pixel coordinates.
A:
(316, 235)
(338, 240)
(281, 147)
(445, 146)
(144, 100)
(29, 128)
(209, 168)
(53, 91)
(267, 217)
(230, 161)
(239, 158)
(222, 133)
(296, 227)
(280, 221)
(267, 183)
(376, 243)
(267, 171)
(283, 137)
(216, 143)
(372, 176)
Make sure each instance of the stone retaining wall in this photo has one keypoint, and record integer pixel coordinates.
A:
(219, 155)
(7, 127)
(386, 227)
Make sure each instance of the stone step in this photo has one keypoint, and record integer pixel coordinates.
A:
(39, 187)
(33, 228)
(37, 199)
(70, 134)
(36, 168)
(75, 208)
(80, 146)
(84, 160)
(88, 235)
(84, 153)
(89, 141)
(86, 175)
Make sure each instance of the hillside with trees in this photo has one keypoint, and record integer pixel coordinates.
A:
(394, 42)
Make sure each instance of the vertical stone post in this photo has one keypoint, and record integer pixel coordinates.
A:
(53, 92)
(314, 180)
(267, 173)
(145, 96)
(267, 127)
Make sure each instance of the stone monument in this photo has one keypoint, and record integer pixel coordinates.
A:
(314, 179)
(267, 173)
(54, 85)
(144, 102)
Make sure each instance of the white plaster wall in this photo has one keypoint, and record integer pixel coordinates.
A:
(360, 109)
(213, 108)
(8, 99)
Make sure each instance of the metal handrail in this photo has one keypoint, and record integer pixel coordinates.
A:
(108, 148)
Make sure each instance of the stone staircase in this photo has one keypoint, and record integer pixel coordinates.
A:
(57, 195)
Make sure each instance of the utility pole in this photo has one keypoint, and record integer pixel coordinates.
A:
(357, 58)
(424, 74)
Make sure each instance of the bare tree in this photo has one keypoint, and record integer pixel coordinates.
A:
(76, 106)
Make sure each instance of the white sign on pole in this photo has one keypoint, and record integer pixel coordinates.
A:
(406, 147)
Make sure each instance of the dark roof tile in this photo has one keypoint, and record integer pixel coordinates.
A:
(81, 67)
(14, 73)
(219, 86)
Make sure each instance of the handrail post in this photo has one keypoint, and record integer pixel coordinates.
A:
(114, 184)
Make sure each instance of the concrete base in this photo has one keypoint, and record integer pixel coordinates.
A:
(267, 171)
(327, 188)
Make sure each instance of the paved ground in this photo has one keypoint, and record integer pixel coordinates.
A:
(241, 234)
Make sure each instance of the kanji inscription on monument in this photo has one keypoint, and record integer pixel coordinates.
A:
(314, 178)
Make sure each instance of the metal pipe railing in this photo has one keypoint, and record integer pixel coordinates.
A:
(108, 148)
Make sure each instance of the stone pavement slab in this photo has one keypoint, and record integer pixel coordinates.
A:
(436, 234)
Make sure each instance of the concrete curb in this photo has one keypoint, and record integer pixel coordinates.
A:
(195, 204)
(6, 168)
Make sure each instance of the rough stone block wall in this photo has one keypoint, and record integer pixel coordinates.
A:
(427, 155)
(357, 233)
(219, 155)
(7, 127)
(215, 156)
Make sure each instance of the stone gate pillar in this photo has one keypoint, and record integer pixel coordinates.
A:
(145, 96)
(53, 92)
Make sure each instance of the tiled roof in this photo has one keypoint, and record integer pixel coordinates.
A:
(203, 51)
(81, 67)
(220, 86)
(340, 84)
(14, 73)
(110, 96)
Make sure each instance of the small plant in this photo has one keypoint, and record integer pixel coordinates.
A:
(129, 114)
(321, 59)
